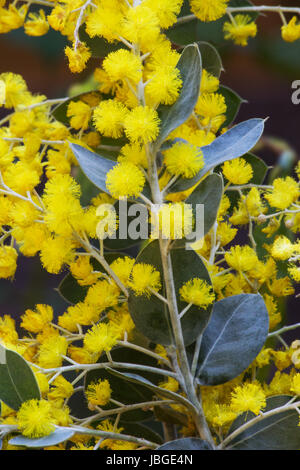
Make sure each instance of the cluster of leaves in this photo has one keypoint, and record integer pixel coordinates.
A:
(173, 335)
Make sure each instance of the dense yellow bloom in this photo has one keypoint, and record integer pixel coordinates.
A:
(99, 393)
(209, 83)
(105, 21)
(144, 278)
(237, 171)
(107, 221)
(8, 262)
(142, 124)
(183, 160)
(291, 32)
(197, 292)
(282, 248)
(99, 338)
(14, 88)
(285, 191)
(35, 419)
(248, 397)
(122, 268)
(295, 387)
(36, 24)
(294, 272)
(82, 270)
(51, 351)
(80, 114)
(209, 10)
(241, 258)
(134, 153)
(174, 221)
(35, 321)
(166, 10)
(12, 17)
(78, 58)
(102, 295)
(254, 203)
(141, 26)
(109, 118)
(240, 29)
(125, 180)
(122, 65)
(60, 389)
(163, 86)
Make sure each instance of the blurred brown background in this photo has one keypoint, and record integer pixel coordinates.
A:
(262, 74)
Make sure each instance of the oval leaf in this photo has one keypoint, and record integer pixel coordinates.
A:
(233, 144)
(186, 443)
(235, 335)
(173, 116)
(211, 59)
(17, 381)
(278, 432)
(56, 437)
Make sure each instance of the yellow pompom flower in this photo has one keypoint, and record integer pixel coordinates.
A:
(237, 171)
(212, 108)
(82, 270)
(105, 21)
(142, 124)
(241, 258)
(183, 160)
(80, 114)
(163, 86)
(78, 58)
(209, 83)
(166, 10)
(122, 268)
(57, 18)
(248, 397)
(14, 87)
(134, 153)
(35, 419)
(141, 26)
(291, 32)
(102, 295)
(174, 221)
(51, 351)
(99, 393)
(60, 389)
(197, 292)
(8, 261)
(125, 180)
(109, 118)
(282, 248)
(55, 252)
(144, 278)
(122, 65)
(285, 191)
(35, 321)
(209, 10)
(99, 338)
(240, 30)
(12, 17)
(294, 272)
(36, 24)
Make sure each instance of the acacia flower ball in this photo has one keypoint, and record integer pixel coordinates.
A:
(109, 117)
(142, 124)
(183, 160)
(209, 10)
(125, 180)
(35, 419)
(197, 292)
(99, 393)
(237, 171)
(240, 30)
(291, 31)
(144, 277)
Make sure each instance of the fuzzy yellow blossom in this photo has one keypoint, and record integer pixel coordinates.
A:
(240, 29)
(241, 258)
(122, 268)
(294, 272)
(107, 221)
(144, 278)
(21, 177)
(35, 321)
(105, 21)
(99, 338)
(51, 351)
(109, 118)
(291, 32)
(35, 418)
(282, 248)
(163, 86)
(55, 252)
(248, 397)
(60, 389)
(98, 393)
(197, 292)
(209, 83)
(123, 65)
(295, 386)
(183, 160)
(8, 262)
(211, 105)
(80, 114)
(36, 24)
(12, 17)
(142, 124)
(134, 153)
(285, 191)
(174, 221)
(78, 58)
(209, 10)
(237, 171)
(141, 26)
(254, 203)
(166, 10)
(125, 180)
(102, 295)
